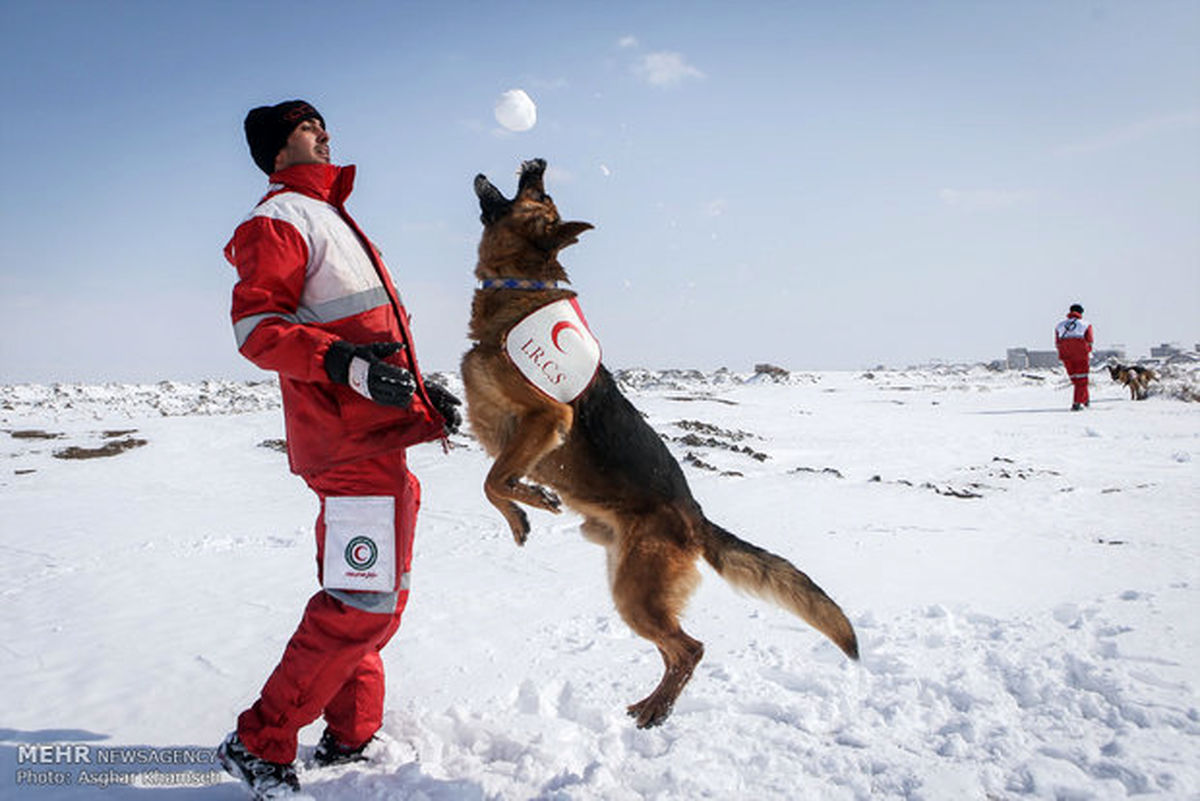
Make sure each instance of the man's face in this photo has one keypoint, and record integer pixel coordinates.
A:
(307, 144)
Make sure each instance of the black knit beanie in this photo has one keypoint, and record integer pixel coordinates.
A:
(1075, 307)
(268, 129)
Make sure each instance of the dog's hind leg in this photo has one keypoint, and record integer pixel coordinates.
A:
(651, 584)
(598, 531)
(602, 534)
(680, 658)
(536, 435)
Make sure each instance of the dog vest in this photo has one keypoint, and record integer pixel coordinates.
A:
(554, 350)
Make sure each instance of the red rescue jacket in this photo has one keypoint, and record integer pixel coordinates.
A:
(1073, 338)
(307, 276)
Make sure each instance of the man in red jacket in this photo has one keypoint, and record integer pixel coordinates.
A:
(315, 303)
(1073, 338)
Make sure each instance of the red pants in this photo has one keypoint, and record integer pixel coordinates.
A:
(1077, 370)
(331, 665)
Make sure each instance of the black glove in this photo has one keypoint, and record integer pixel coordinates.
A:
(445, 402)
(363, 368)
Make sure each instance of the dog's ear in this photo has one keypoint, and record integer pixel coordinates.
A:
(568, 233)
(532, 172)
(493, 204)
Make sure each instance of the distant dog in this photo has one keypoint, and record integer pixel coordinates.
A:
(545, 408)
(1135, 377)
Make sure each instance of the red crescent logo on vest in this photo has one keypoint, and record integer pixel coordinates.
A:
(559, 369)
(558, 329)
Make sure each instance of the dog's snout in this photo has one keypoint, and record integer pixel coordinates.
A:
(533, 166)
(532, 172)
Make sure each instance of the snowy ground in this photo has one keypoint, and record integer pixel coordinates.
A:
(1024, 581)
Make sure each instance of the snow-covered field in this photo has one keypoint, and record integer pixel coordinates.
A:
(1025, 583)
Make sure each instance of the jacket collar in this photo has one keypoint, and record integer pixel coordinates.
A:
(327, 182)
(1075, 315)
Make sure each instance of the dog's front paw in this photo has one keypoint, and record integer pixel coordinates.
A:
(548, 500)
(518, 521)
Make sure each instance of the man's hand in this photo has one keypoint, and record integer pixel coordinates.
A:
(446, 404)
(363, 369)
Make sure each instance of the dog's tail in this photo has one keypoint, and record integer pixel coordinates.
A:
(763, 574)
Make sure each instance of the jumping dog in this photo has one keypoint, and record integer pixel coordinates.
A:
(591, 450)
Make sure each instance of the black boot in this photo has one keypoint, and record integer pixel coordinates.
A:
(330, 752)
(266, 780)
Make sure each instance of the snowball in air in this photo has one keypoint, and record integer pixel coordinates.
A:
(515, 110)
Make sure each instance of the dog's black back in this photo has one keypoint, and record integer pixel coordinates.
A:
(623, 446)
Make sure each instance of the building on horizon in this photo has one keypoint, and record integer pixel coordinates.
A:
(1017, 359)
(1114, 352)
(1043, 358)
(1165, 351)
(1023, 358)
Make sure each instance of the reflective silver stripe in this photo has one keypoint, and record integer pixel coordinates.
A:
(326, 312)
(339, 308)
(378, 603)
(244, 327)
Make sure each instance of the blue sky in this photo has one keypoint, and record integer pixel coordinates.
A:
(818, 185)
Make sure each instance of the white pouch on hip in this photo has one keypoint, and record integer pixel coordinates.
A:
(360, 543)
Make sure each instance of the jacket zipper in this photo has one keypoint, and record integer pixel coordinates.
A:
(392, 300)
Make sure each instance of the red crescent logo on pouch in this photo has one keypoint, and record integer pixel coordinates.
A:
(361, 553)
(558, 329)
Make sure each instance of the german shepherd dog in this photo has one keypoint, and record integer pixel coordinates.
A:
(1136, 377)
(600, 457)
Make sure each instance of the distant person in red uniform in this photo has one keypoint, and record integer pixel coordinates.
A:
(1073, 338)
(315, 303)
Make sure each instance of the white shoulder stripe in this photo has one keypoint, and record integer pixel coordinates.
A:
(341, 278)
(290, 207)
